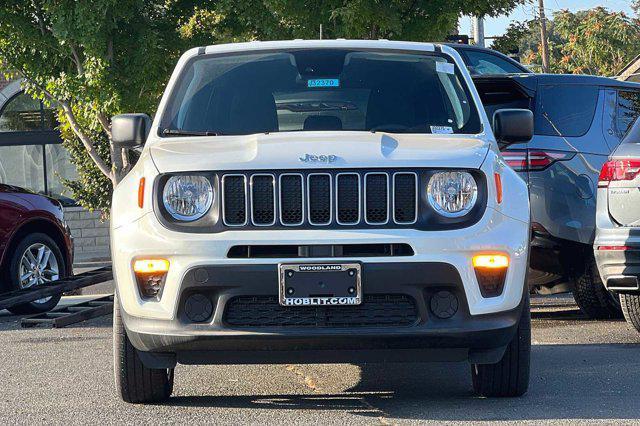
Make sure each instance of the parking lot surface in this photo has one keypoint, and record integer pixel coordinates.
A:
(582, 372)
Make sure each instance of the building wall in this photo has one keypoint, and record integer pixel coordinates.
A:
(90, 234)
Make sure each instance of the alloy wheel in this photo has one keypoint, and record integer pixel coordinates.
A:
(38, 265)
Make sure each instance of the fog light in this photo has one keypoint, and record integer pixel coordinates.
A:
(444, 304)
(491, 271)
(198, 308)
(151, 275)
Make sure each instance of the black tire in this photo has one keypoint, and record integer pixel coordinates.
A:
(12, 273)
(631, 309)
(136, 383)
(592, 297)
(510, 376)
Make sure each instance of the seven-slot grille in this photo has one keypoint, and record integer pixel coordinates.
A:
(320, 198)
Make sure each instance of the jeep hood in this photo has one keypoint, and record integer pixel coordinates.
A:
(284, 150)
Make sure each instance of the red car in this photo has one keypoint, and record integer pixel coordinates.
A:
(35, 244)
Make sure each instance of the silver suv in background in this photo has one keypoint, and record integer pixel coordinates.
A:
(617, 244)
(579, 121)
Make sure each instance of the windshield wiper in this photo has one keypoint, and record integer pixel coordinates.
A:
(177, 132)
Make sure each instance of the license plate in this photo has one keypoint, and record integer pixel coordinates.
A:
(320, 284)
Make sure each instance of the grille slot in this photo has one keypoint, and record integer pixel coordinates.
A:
(376, 194)
(348, 198)
(304, 251)
(234, 210)
(319, 198)
(263, 199)
(405, 198)
(291, 200)
(376, 310)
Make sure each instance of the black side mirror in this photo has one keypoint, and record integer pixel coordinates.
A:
(130, 130)
(512, 126)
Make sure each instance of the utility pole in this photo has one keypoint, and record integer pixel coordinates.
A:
(478, 30)
(543, 37)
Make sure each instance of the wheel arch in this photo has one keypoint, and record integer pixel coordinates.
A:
(43, 226)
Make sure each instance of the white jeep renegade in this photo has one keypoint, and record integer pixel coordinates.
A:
(320, 202)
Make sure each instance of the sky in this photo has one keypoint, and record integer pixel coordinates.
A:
(497, 26)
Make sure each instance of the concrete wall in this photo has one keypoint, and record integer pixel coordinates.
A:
(90, 234)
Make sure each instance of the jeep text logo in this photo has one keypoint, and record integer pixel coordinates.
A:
(310, 158)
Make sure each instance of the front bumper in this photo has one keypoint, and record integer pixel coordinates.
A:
(479, 331)
(479, 339)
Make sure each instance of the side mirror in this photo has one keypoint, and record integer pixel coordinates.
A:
(512, 126)
(130, 130)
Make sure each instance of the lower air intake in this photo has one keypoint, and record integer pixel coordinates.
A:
(376, 310)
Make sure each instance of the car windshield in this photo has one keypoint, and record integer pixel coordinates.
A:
(320, 89)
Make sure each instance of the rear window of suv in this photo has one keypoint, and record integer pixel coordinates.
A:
(565, 110)
(321, 89)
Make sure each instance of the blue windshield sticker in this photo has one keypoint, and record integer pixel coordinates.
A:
(323, 82)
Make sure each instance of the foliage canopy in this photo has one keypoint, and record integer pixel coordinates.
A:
(94, 59)
(595, 41)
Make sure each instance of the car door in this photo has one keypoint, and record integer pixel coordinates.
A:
(11, 207)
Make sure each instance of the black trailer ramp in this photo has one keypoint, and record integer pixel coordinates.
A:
(53, 288)
(67, 315)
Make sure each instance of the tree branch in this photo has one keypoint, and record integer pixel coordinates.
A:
(110, 50)
(88, 144)
(38, 15)
(76, 59)
(125, 161)
(104, 122)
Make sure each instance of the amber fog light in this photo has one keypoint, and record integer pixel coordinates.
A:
(150, 276)
(491, 271)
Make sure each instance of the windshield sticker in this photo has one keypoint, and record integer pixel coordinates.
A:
(441, 130)
(323, 82)
(445, 67)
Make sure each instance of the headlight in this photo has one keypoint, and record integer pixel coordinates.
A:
(187, 198)
(452, 194)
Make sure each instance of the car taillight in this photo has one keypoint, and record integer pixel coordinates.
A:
(618, 170)
(517, 160)
(536, 160)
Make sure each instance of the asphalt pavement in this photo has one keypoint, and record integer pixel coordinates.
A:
(582, 372)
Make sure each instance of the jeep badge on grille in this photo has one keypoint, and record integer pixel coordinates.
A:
(310, 158)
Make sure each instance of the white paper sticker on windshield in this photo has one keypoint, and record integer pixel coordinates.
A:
(445, 67)
(441, 130)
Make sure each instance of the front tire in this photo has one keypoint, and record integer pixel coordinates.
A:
(591, 296)
(136, 383)
(36, 259)
(509, 377)
(631, 309)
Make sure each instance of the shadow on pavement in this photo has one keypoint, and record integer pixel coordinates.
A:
(568, 382)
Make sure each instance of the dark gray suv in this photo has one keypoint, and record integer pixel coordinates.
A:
(579, 121)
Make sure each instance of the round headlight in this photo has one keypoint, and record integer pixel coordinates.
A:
(187, 198)
(452, 194)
